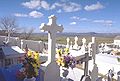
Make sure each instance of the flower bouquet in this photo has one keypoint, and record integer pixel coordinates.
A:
(30, 67)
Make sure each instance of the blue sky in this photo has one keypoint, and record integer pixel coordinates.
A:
(101, 16)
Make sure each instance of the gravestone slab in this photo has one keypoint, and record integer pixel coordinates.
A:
(52, 72)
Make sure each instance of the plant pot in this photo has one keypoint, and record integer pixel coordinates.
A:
(30, 79)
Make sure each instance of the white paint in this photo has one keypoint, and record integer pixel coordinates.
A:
(52, 29)
(68, 40)
(52, 71)
(76, 43)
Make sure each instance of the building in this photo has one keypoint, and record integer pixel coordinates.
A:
(10, 55)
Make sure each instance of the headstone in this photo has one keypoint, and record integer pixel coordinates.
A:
(94, 73)
(21, 44)
(76, 43)
(93, 39)
(52, 71)
(68, 40)
(86, 77)
(71, 46)
(90, 48)
(83, 47)
(52, 29)
(94, 49)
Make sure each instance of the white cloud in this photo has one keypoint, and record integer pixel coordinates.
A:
(55, 5)
(84, 19)
(75, 17)
(36, 4)
(59, 11)
(71, 7)
(45, 5)
(104, 22)
(93, 7)
(67, 7)
(32, 4)
(78, 18)
(73, 23)
(20, 15)
(35, 14)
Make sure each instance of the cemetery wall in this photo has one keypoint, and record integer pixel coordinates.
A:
(33, 45)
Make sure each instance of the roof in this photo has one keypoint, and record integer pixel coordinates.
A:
(12, 51)
(117, 38)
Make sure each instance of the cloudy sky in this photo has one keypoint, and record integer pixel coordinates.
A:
(101, 16)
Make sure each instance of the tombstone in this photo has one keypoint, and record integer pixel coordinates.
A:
(52, 71)
(83, 47)
(76, 43)
(94, 73)
(90, 48)
(21, 44)
(86, 77)
(93, 40)
(68, 40)
(71, 46)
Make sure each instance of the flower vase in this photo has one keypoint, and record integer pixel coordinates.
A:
(30, 79)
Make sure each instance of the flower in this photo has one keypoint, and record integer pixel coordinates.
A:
(64, 59)
(31, 66)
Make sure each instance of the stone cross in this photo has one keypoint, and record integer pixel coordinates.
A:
(93, 39)
(68, 40)
(76, 43)
(52, 72)
(52, 29)
(86, 77)
(71, 46)
(84, 41)
(94, 49)
(83, 48)
(94, 73)
(21, 44)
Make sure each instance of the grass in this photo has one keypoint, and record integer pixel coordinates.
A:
(62, 39)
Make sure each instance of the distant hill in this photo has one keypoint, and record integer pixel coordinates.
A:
(82, 34)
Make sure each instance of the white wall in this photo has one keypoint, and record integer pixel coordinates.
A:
(34, 45)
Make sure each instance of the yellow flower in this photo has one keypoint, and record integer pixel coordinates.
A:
(29, 53)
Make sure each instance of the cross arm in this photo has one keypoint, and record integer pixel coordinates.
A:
(60, 28)
(44, 27)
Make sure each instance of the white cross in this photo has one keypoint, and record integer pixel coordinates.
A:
(68, 40)
(52, 29)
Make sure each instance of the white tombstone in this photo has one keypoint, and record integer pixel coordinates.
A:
(83, 47)
(94, 73)
(76, 43)
(52, 72)
(93, 39)
(21, 44)
(90, 48)
(52, 29)
(71, 46)
(68, 40)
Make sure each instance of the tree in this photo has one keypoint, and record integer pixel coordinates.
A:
(27, 33)
(8, 24)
